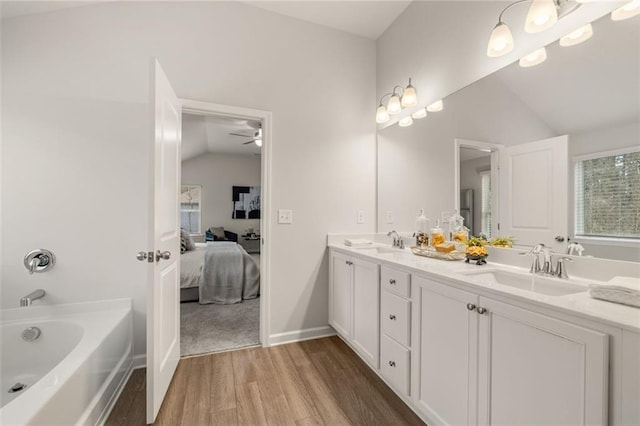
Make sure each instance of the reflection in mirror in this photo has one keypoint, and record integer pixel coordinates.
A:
(588, 92)
(476, 190)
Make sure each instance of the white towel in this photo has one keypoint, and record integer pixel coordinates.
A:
(357, 242)
(625, 290)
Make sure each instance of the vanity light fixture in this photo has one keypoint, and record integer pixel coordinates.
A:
(399, 98)
(542, 15)
(534, 58)
(405, 122)
(627, 11)
(421, 113)
(583, 33)
(436, 106)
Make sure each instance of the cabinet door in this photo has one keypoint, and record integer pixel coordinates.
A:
(340, 293)
(445, 350)
(534, 369)
(366, 310)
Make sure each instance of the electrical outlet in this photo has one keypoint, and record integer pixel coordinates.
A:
(360, 217)
(285, 216)
(389, 217)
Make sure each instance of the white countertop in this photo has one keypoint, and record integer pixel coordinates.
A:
(452, 272)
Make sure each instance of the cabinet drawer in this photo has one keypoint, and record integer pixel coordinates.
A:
(396, 317)
(394, 364)
(395, 281)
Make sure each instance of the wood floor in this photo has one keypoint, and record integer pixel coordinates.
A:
(317, 382)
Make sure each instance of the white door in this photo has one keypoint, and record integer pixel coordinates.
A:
(445, 340)
(340, 294)
(521, 353)
(366, 310)
(163, 313)
(534, 191)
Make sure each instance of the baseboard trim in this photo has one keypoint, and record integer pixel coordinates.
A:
(139, 361)
(301, 335)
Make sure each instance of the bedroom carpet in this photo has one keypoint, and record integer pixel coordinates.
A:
(215, 328)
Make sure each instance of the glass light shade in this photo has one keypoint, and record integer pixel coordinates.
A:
(258, 142)
(627, 11)
(500, 41)
(421, 113)
(436, 106)
(542, 15)
(578, 36)
(409, 96)
(393, 106)
(405, 122)
(382, 116)
(534, 58)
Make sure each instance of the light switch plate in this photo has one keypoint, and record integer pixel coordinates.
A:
(285, 216)
(360, 217)
(389, 217)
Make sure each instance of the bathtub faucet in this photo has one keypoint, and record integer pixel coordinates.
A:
(34, 295)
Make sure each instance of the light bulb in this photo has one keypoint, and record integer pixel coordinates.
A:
(500, 41)
(436, 106)
(409, 96)
(421, 113)
(258, 142)
(382, 116)
(542, 15)
(405, 122)
(534, 58)
(578, 36)
(393, 106)
(627, 11)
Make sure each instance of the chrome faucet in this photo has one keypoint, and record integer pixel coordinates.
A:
(29, 298)
(397, 239)
(560, 270)
(575, 247)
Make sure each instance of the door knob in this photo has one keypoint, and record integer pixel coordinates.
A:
(166, 255)
(559, 238)
(141, 256)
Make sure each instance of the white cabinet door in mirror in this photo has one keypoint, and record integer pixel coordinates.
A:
(534, 192)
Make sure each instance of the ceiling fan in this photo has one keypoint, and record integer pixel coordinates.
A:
(257, 137)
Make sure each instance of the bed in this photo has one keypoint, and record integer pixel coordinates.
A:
(218, 272)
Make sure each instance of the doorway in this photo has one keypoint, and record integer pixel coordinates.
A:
(224, 188)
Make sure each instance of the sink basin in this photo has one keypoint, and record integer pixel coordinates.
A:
(529, 282)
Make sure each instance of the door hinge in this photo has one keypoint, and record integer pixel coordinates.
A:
(498, 226)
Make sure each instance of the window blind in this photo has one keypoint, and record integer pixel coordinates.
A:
(485, 214)
(607, 196)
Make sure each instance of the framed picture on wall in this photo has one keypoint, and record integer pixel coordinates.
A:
(246, 202)
(190, 208)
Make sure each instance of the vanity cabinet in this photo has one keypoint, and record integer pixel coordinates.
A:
(354, 304)
(482, 361)
(395, 319)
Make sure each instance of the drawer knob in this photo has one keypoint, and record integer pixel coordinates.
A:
(392, 281)
(471, 306)
(481, 310)
(392, 363)
(392, 317)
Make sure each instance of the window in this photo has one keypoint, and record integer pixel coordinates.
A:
(190, 203)
(607, 196)
(485, 212)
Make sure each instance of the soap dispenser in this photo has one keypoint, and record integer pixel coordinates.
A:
(437, 235)
(422, 230)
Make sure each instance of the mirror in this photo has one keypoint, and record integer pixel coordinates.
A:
(588, 91)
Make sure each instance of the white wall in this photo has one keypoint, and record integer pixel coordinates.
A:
(218, 173)
(416, 164)
(76, 140)
(442, 44)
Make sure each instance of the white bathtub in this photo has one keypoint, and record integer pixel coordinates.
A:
(73, 371)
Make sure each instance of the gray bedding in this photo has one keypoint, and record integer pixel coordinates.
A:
(223, 271)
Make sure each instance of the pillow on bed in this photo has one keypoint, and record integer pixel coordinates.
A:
(218, 233)
(186, 241)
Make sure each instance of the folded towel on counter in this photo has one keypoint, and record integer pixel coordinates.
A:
(357, 242)
(624, 290)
